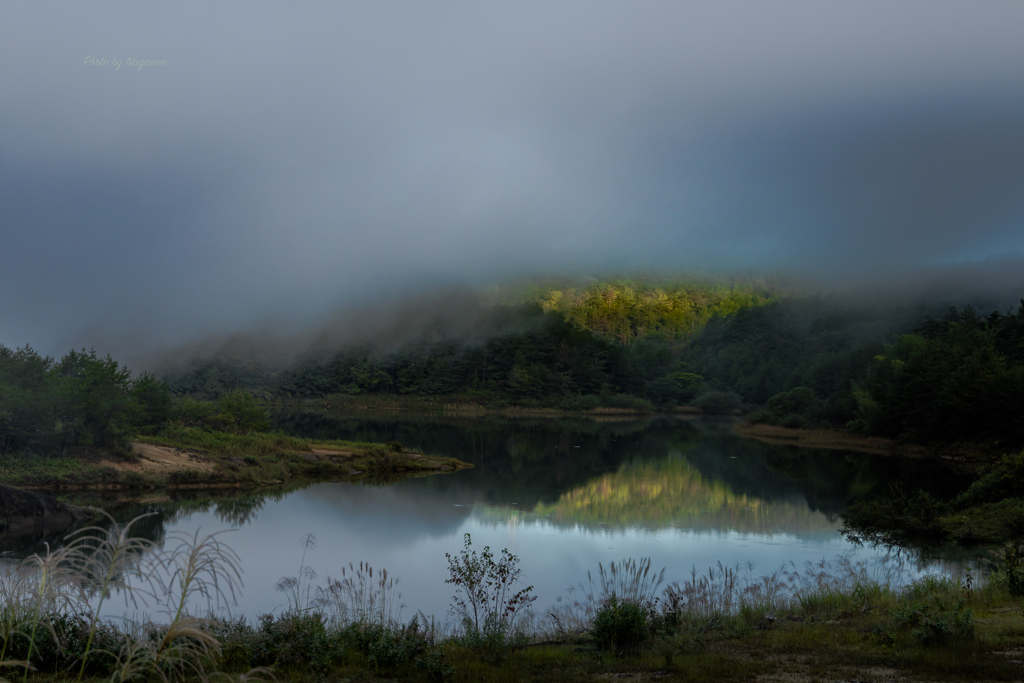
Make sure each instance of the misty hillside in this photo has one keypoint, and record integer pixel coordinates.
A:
(526, 342)
(918, 371)
(921, 372)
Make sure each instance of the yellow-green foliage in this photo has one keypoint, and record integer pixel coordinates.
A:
(633, 309)
(630, 311)
(671, 492)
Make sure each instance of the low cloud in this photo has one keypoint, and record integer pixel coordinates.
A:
(284, 164)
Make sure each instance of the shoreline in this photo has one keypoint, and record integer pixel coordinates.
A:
(831, 439)
(460, 405)
(251, 462)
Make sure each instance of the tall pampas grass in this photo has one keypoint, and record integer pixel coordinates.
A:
(109, 559)
(77, 581)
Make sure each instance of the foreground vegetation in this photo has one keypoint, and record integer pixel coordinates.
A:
(834, 620)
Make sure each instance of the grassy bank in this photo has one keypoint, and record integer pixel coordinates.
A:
(186, 457)
(830, 621)
(835, 439)
(465, 403)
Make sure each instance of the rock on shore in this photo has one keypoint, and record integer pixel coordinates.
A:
(24, 514)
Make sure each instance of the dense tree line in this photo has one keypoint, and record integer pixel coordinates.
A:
(954, 378)
(958, 378)
(813, 343)
(85, 401)
(804, 361)
(614, 343)
(797, 362)
(549, 360)
(48, 405)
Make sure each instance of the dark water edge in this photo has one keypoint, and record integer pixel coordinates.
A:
(511, 456)
(531, 461)
(570, 475)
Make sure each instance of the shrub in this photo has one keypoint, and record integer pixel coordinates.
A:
(293, 639)
(240, 413)
(798, 401)
(620, 625)
(936, 626)
(153, 400)
(761, 416)
(580, 403)
(677, 387)
(628, 402)
(1011, 569)
(689, 384)
(486, 601)
(718, 402)
(192, 413)
(1004, 479)
(794, 421)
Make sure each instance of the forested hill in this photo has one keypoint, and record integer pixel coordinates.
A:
(549, 343)
(954, 377)
(916, 373)
(909, 372)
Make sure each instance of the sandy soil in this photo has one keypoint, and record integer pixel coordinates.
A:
(331, 451)
(161, 459)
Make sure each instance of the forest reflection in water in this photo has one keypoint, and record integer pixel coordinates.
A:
(562, 494)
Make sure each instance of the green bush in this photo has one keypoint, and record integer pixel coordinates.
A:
(390, 648)
(938, 625)
(760, 416)
(240, 413)
(717, 401)
(675, 388)
(627, 402)
(1004, 479)
(295, 639)
(1012, 569)
(620, 625)
(580, 403)
(795, 421)
(153, 400)
(192, 413)
(487, 604)
(800, 401)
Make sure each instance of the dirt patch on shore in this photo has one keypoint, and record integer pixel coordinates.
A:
(161, 459)
(319, 450)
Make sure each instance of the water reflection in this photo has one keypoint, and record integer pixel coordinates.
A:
(672, 493)
(563, 494)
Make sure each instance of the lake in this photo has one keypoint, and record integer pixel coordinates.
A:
(562, 494)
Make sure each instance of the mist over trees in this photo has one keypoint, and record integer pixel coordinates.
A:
(549, 345)
(786, 357)
(906, 371)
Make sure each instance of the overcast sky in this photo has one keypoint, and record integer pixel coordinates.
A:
(283, 159)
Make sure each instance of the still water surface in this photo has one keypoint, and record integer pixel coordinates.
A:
(563, 495)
